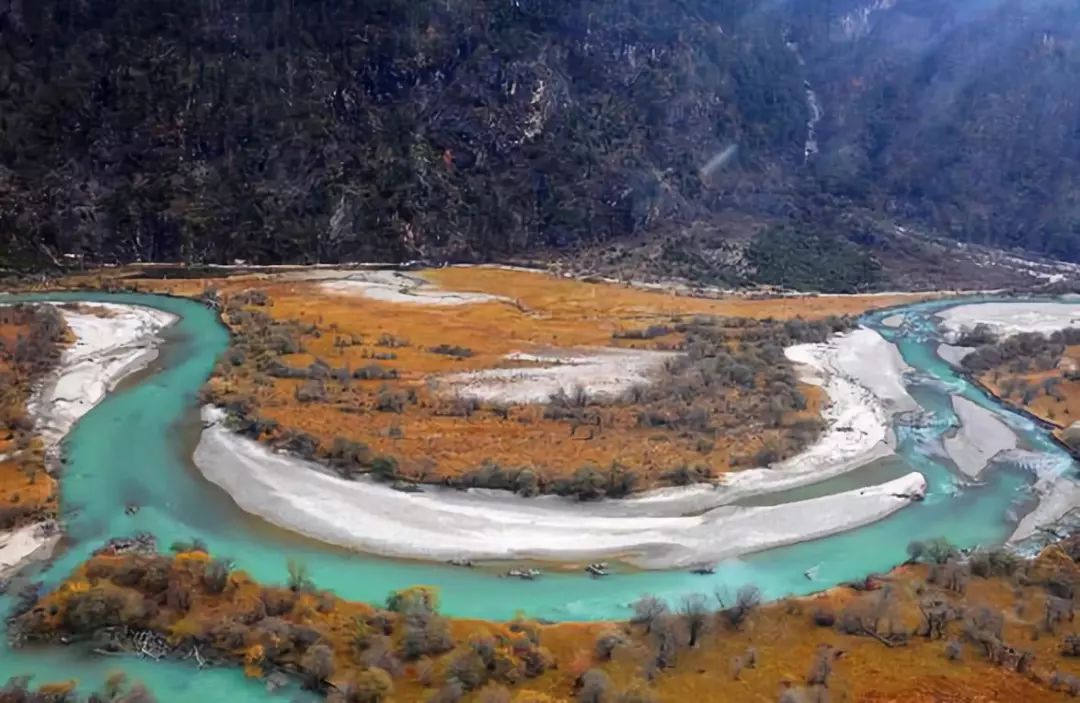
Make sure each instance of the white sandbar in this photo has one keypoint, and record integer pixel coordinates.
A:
(107, 349)
(1012, 318)
(397, 287)
(980, 437)
(602, 373)
(444, 524)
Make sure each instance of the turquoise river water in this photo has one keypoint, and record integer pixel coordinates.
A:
(135, 447)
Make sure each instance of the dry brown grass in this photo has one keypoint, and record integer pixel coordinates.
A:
(27, 491)
(1062, 408)
(544, 311)
(783, 635)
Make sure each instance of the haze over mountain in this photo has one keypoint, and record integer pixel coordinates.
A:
(782, 135)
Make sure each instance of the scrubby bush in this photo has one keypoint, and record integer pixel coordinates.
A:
(299, 577)
(391, 401)
(384, 468)
(389, 340)
(595, 687)
(451, 350)
(370, 686)
(824, 617)
(650, 332)
(317, 665)
(216, 575)
(313, 391)
(647, 610)
(375, 372)
(747, 600)
(695, 615)
(348, 456)
(606, 644)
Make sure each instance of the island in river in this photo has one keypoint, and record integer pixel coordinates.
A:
(870, 418)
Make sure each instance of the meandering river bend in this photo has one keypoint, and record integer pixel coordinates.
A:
(135, 447)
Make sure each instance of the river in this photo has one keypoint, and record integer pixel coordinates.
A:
(135, 447)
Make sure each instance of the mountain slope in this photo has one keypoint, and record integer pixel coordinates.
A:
(270, 131)
(963, 115)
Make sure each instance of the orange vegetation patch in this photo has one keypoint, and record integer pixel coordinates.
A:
(434, 436)
(27, 492)
(1052, 395)
(613, 301)
(773, 648)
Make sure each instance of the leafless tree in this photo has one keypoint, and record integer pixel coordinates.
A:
(646, 611)
(695, 613)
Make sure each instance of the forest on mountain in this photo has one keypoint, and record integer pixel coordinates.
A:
(328, 130)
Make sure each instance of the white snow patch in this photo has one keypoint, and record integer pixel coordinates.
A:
(893, 321)
(953, 354)
(1058, 493)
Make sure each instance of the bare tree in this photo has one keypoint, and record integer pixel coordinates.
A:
(595, 687)
(665, 641)
(821, 669)
(695, 613)
(606, 644)
(1058, 610)
(747, 600)
(646, 611)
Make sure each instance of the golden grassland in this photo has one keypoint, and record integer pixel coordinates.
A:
(784, 637)
(539, 311)
(1061, 407)
(27, 492)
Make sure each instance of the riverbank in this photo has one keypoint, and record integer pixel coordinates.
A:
(666, 528)
(709, 650)
(862, 374)
(1009, 318)
(111, 342)
(980, 437)
(442, 524)
(1056, 492)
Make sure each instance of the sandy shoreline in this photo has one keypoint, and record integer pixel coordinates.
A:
(980, 437)
(394, 287)
(666, 528)
(443, 524)
(106, 350)
(1057, 493)
(1011, 318)
(953, 354)
(862, 374)
(602, 373)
